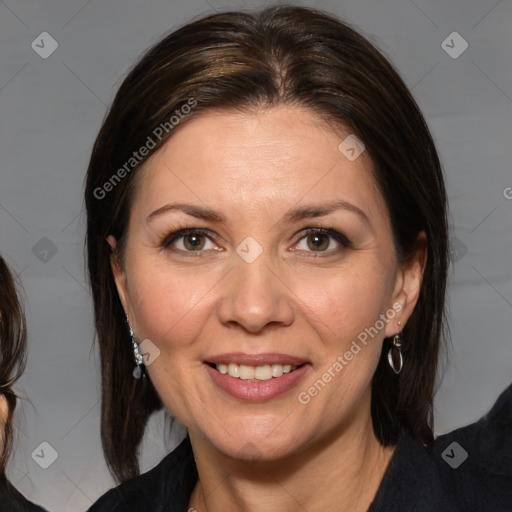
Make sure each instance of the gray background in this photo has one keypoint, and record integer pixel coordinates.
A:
(50, 112)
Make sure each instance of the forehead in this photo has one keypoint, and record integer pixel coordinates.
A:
(265, 158)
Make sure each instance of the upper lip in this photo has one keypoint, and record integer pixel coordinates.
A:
(256, 359)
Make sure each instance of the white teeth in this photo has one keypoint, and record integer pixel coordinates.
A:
(277, 370)
(263, 372)
(246, 372)
(234, 370)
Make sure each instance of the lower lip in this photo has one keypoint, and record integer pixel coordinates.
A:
(257, 391)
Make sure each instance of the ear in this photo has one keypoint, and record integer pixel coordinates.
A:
(119, 277)
(407, 286)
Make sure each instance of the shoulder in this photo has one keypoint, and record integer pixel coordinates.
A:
(13, 501)
(169, 481)
(476, 460)
(467, 470)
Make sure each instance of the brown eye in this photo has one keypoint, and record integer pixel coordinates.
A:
(318, 242)
(193, 242)
(329, 241)
(188, 240)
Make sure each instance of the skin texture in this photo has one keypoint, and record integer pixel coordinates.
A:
(294, 299)
(4, 412)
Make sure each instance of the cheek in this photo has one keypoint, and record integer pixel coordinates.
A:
(347, 304)
(169, 306)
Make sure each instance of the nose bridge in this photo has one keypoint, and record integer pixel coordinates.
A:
(253, 296)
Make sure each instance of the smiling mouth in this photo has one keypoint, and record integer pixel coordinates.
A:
(259, 373)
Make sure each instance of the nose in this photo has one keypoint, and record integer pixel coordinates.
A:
(254, 297)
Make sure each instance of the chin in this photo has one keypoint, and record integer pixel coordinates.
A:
(256, 448)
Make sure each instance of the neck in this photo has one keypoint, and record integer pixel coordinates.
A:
(341, 473)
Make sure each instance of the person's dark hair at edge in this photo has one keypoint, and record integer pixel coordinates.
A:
(247, 61)
(13, 354)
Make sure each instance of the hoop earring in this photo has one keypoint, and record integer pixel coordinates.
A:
(137, 356)
(396, 346)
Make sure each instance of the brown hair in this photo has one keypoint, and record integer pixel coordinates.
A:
(280, 56)
(13, 353)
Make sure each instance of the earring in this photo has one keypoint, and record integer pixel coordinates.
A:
(137, 356)
(396, 347)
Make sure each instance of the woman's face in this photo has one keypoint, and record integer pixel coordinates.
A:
(254, 285)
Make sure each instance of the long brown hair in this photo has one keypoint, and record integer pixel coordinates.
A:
(280, 56)
(13, 353)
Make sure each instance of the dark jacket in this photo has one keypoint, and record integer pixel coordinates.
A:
(11, 500)
(469, 469)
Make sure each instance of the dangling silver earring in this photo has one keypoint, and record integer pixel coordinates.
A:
(137, 356)
(396, 347)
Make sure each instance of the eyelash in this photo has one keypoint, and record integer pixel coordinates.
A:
(182, 232)
(336, 235)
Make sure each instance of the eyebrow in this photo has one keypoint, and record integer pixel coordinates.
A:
(313, 211)
(199, 212)
(293, 215)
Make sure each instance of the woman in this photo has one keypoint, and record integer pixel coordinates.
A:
(267, 232)
(12, 364)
